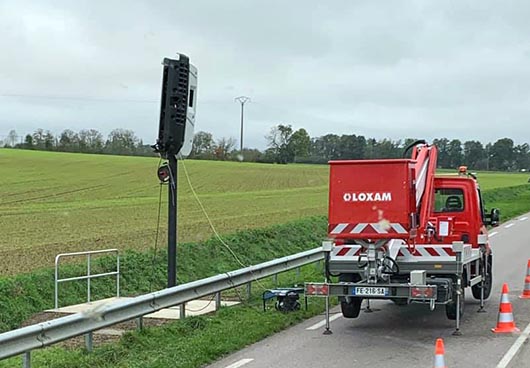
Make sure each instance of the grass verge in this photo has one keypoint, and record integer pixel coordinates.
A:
(23, 295)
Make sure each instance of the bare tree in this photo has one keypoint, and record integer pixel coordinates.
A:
(12, 138)
(224, 147)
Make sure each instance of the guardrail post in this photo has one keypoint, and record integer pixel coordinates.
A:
(26, 360)
(89, 340)
(140, 323)
(297, 273)
(249, 291)
(275, 278)
(182, 313)
(217, 301)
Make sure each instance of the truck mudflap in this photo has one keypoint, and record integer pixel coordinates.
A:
(437, 291)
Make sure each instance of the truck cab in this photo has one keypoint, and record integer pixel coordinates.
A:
(458, 211)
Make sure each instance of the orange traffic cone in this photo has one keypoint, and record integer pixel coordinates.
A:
(526, 291)
(439, 352)
(505, 322)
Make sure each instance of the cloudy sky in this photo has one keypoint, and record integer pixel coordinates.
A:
(383, 69)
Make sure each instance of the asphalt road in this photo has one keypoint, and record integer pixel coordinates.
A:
(397, 336)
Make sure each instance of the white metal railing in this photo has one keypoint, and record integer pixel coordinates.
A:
(89, 275)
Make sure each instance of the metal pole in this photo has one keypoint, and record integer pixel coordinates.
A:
(26, 359)
(242, 100)
(56, 282)
(118, 275)
(327, 331)
(89, 341)
(249, 291)
(458, 248)
(182, 311)
(140, 323)
(172, 223)
(88, 277)
(217, 301)
(483, 279)
(242, 113)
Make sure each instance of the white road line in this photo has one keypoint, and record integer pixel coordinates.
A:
(523, 219)
(510, 354)
(509, 226)
(493, 233)
(240, 363)
(320, 324)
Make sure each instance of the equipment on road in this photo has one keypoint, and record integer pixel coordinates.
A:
(439, 354)
(526, 291)
(505, 321)
(287, 299)
(398, 232)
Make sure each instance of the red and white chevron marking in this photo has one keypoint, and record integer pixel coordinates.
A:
(424, 251)
(421, 251)
(346, 251)
(370, 228)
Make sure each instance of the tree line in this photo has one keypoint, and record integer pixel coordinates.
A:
(286, 145)
(118, 142)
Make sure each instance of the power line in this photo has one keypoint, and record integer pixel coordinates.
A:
(79, 98)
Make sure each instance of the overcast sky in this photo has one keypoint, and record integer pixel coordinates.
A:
(394, 69)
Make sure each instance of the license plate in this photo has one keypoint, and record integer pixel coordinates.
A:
(370, 291)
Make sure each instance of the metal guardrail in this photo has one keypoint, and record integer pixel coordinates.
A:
(89, 275)
(26, 339)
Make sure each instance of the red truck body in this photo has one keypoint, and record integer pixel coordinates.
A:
(373, 199)
(377, 199)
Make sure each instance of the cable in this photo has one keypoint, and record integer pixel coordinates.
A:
(155, 248)
(203, 308)
(217, 235)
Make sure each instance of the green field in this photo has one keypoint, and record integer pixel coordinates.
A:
(57, 202)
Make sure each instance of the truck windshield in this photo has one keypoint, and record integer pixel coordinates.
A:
(448, 200)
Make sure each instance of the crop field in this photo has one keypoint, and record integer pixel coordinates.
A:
(57, 202)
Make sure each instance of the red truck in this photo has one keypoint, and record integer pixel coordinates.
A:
(398, 232)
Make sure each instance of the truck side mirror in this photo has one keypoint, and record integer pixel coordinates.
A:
(493, 217)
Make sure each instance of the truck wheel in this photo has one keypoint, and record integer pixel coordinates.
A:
(450, 308)
(352, 308)
(475, 290)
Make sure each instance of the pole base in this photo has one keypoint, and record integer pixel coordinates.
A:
(457, 333)
(327, 332)
(371, 310)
